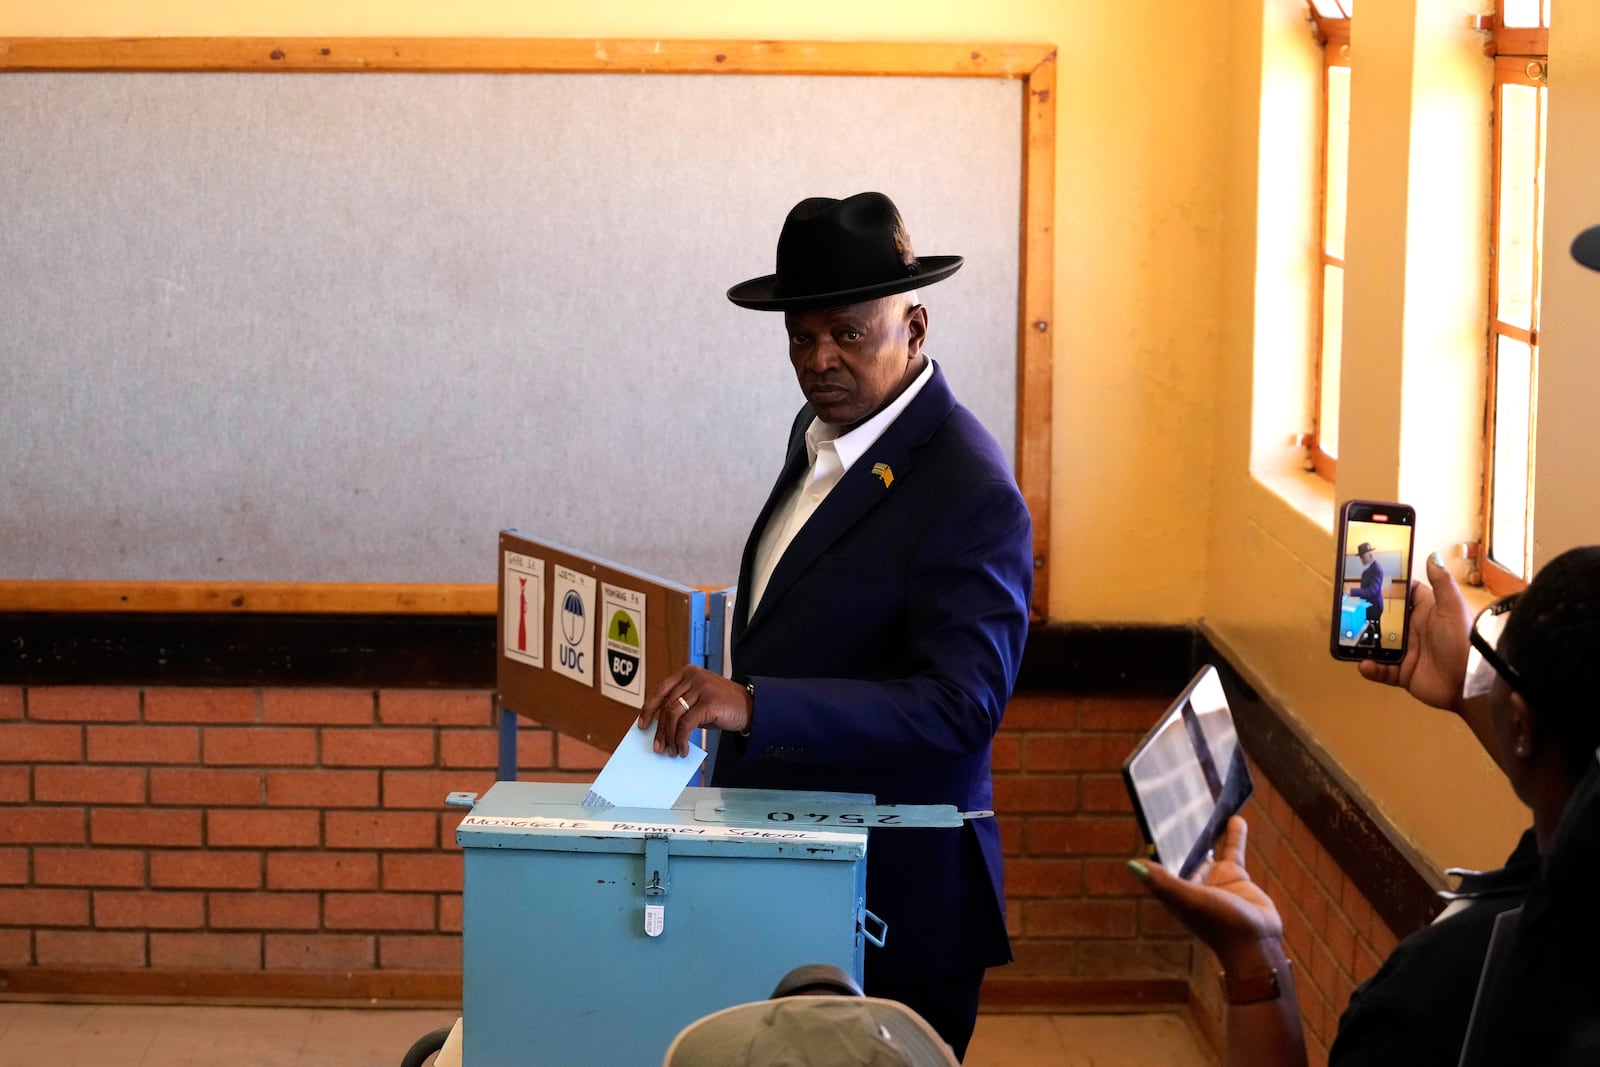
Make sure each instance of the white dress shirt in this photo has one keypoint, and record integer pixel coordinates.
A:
(832, 454)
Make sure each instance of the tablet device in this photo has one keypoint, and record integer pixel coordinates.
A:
(1188, 775)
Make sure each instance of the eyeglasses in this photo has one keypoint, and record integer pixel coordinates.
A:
(1484, 660)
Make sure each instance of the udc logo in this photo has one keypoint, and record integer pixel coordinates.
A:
(573, 622)
(571, 628)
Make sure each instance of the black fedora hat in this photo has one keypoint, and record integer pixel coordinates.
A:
(1586, 248)
(834, 252)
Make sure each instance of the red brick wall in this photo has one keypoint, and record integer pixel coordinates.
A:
(243, 830)
(1068, 830)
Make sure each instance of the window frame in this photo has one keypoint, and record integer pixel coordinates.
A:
(1521, 56)
(1334, 33)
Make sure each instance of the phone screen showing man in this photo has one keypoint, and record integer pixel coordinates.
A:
(1371, 581)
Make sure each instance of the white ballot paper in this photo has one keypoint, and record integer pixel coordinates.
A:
(637, 776)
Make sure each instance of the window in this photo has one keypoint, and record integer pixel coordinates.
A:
(1521, 38)
(1332, 21)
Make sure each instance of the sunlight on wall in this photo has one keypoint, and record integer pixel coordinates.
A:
(1287, 238)
(1446, 278)
(1567, 506)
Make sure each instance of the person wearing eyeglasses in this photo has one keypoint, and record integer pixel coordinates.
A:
(1534, 664)
(1525, 677)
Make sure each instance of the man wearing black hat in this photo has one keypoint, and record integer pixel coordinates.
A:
(883, 602)
(1371, 589)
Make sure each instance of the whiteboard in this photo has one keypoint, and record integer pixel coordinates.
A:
(323, 327)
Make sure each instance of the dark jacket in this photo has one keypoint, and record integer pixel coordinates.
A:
(883, 653)
(1541, 995)
(1413, 1012)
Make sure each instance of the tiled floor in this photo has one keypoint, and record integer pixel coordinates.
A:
(132, 1035)
(1157, 1038)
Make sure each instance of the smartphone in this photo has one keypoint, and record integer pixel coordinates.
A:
(1372, 581)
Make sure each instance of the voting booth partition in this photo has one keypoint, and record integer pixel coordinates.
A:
(582, 641)
(593, 934)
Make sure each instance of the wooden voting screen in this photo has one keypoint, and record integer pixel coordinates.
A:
(537, 615)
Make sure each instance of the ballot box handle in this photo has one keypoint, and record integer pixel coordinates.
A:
(868, 919)
(657, 880)
(657, 876)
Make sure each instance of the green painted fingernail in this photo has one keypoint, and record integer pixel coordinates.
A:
(1140, 871)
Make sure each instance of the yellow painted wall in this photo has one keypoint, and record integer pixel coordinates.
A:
(1137, 235)
(1568, 503)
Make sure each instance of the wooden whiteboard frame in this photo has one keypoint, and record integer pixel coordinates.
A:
(1033, 64)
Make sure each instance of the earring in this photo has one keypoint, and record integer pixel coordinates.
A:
(1521, 750)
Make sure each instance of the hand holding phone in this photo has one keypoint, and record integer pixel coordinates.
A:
(1372, 581)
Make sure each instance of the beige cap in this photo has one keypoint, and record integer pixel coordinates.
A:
(814, 1031)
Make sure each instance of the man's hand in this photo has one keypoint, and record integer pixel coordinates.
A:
(692, 698)
(1435, 663)
(1219, 904)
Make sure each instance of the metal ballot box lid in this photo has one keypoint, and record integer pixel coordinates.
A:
(550, 816)
(593, 936)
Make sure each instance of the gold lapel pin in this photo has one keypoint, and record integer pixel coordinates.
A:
(885, 475)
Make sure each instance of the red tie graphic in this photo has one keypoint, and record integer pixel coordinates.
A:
(522, 615)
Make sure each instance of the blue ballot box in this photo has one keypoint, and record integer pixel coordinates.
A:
(1352, 619)
(593, 937)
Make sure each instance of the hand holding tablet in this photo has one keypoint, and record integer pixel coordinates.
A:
(1188, 775)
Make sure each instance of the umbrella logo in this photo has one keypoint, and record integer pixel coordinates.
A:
(573, 622)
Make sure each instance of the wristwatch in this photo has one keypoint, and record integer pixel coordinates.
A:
(1251, 988)
(749, 687)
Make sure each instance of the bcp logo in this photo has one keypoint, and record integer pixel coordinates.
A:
(622, 631)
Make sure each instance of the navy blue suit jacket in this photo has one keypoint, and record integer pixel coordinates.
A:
(883, 652)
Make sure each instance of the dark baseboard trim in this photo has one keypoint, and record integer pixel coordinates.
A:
(455, 651)
(1118, 660)
(346, 651)
(389, 988)
(1020, 994)
(1001, 993)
